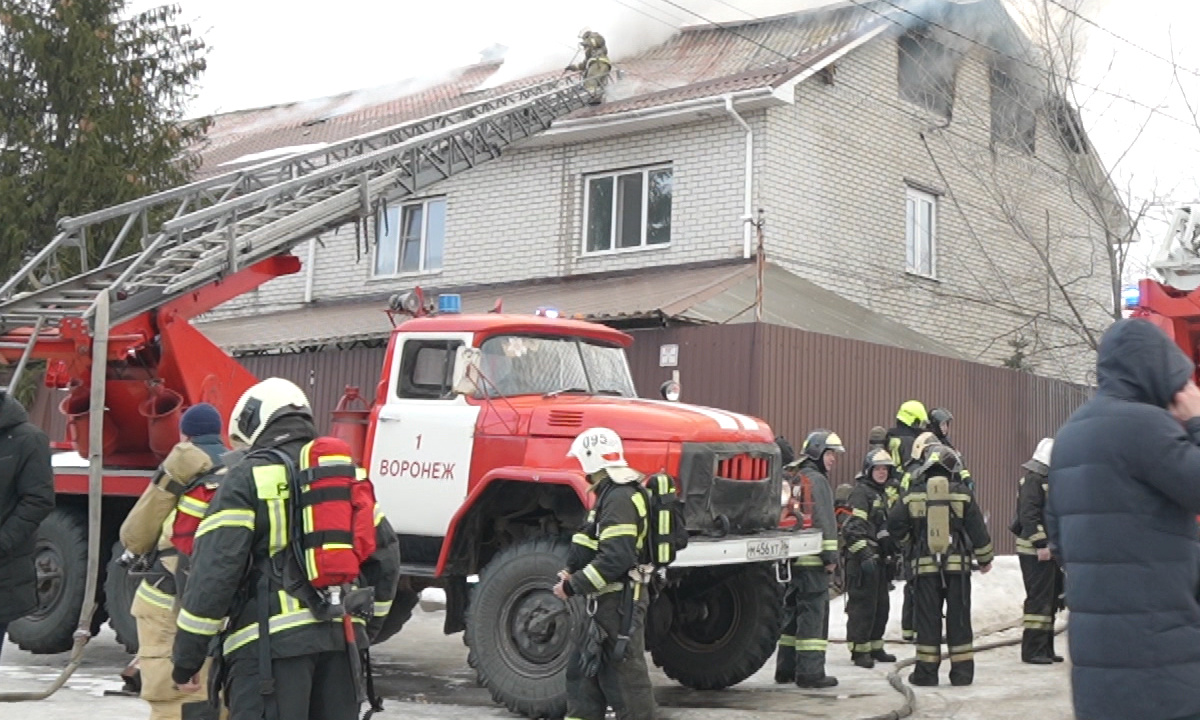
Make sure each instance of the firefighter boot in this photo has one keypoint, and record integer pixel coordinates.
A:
(816, 681)
(863, 660)
(881, 656)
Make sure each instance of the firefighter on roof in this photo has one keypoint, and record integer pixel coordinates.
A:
(595, 65)
(937, 519)
(281, 657)
(1042, 575)
(801, 655)
(607, 666)
(159, 531)
(865, 535)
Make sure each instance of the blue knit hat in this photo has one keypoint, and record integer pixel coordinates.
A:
(200, 419)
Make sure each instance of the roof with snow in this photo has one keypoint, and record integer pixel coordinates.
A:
(697, 62)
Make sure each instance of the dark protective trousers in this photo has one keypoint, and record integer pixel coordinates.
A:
(908, 629)
(932, 592)
(1043, 585)
(622, 684)
(801, 654)
(867, 606)
(307, 687)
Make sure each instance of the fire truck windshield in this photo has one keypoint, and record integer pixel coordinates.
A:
(529, 365)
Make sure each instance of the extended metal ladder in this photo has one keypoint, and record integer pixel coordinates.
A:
(1178, 256)
(181, 239)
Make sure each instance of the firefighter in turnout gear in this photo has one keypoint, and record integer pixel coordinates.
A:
(1041, 573)
(939, 520)
(865, 535)
(607, 665)
(280, 657)
(595, 66)
(939, 424)
(911, 420)
(912, 466)
(156, 536)
(801, 654)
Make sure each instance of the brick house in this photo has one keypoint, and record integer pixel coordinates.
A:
(906, 165)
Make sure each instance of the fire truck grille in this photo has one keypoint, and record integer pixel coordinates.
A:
(565, 418)
(744, 467)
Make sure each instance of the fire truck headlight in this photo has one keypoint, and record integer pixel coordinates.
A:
(785, 495)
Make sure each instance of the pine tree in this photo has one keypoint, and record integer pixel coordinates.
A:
(92, 105)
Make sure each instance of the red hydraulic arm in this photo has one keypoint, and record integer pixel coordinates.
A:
(158, 364)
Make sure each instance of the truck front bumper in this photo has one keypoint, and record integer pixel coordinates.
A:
(765, 547)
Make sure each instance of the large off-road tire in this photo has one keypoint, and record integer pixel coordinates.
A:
(119, 589)
(723, 628)
(61, 559)
(518, 632)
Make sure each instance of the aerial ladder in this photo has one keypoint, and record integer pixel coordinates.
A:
(117, 331)
(1174, 304)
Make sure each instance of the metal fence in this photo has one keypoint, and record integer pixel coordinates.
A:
(795, 380)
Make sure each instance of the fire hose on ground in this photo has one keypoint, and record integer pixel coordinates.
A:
(909, 706)
(83, 632)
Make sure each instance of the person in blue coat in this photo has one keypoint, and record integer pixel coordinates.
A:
(1124, 492)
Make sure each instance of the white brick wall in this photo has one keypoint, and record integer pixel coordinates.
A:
(831, 174)
(519, 217)
(835, 183)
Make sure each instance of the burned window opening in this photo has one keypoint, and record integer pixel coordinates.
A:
(927, 71)
(1013, 111)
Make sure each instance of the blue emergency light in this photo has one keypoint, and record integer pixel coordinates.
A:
(450, 303)
(1130, 295)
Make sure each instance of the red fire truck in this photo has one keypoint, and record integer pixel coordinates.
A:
(465, 439)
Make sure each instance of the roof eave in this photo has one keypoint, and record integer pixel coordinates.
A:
(785, 89)
(645, 119)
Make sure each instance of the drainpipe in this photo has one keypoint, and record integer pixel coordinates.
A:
(311, 270)
(749, 174)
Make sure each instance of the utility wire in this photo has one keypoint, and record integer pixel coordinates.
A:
(1124, 39)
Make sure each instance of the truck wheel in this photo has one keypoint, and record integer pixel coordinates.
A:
(61, 559)
(516, 631)
(721, 632)
(119, 589)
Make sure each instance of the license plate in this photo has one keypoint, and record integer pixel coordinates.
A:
(766, 549)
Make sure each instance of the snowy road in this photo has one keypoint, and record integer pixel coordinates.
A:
(423, 674)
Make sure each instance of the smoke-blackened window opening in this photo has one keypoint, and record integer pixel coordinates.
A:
(1013, 111)
(1064, 117)
(927, 72)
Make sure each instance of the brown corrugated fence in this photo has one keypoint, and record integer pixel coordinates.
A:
(795, 380)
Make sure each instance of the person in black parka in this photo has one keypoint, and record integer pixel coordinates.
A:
(1124, 492)
(26, 498)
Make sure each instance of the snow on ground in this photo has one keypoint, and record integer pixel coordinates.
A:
(424, 676)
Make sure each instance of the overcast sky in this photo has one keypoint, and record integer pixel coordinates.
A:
(265, 52)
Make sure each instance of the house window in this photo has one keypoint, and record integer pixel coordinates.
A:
(926, 73)
(627, 210)
(1014, 122)
(920, 233)
(410, 237)
(427, 369)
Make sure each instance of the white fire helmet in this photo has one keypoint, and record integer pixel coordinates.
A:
(600, 448)
(1044, 448)
(262, 403)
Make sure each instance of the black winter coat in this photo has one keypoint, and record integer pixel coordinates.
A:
(1121, 515)
(26, 498)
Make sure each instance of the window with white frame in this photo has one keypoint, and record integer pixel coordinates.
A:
(921, 233)
(627, 209)
(410, 237)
